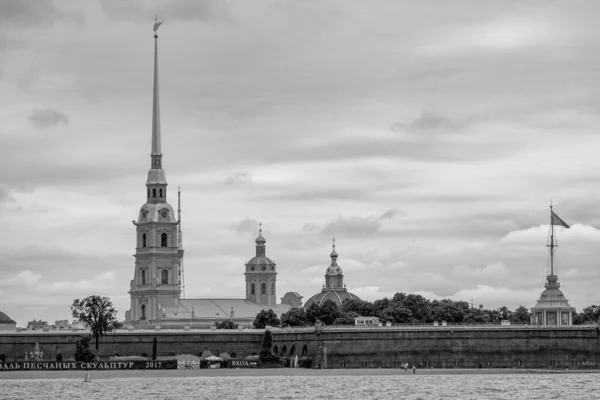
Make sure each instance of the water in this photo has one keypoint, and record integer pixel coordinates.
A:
(536, 386)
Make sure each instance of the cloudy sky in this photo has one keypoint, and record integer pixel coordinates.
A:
(428, 137)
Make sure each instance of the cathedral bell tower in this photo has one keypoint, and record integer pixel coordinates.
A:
(261, 276)
(155, 282)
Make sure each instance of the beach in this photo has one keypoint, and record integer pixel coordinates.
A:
(226, 372)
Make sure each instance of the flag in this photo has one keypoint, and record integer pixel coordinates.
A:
(156, 25)
(555, 220)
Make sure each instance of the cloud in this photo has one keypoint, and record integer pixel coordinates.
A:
(489, 296)
(24, 278)
(47, 118)
(358, 225)
(245, 226)
(98, 282)
(26, 13)
(430, 122)
(182, 10)
(239, 178)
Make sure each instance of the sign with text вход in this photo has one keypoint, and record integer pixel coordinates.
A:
(243, 364)
(77, 365)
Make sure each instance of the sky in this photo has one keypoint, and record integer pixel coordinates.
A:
(428, 137)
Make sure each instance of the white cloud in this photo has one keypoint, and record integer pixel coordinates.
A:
(282, 115)
(24, 278)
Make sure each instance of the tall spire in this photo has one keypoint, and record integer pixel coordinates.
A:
(156, 153)
(157, 180)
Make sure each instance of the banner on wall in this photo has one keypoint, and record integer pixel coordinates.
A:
(84, 366)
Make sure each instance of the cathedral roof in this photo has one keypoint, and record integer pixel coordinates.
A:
(337, 295)
(5, 319)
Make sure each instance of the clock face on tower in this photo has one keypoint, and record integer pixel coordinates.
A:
(164, 213)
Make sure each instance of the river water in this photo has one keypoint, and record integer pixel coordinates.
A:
(578, 386)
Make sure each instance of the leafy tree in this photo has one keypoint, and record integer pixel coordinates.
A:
(521, 315)
(378, 307)
(477, 315)
(266, 352)
(419, 307)
(226, 324)
(96, 312)
(294, 317)
(328, 312)
(397, 313)
(346, 318)
(589, 315)
(82, 349)
(313, 313)
(266, 317)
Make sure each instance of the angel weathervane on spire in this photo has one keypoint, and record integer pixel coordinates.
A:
(156, 25)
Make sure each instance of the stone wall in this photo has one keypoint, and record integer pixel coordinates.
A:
(439, 347)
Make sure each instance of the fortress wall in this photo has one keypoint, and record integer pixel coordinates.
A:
(462, 347)
(133, 343)
(447, 347)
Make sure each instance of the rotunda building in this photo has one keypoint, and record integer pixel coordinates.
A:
(334, 288)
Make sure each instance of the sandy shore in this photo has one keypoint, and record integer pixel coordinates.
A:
(267, 372)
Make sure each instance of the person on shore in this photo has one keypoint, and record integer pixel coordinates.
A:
(405, 366)
(414, 370)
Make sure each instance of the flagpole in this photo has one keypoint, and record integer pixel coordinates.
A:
(551, 244)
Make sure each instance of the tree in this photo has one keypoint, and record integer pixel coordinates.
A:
(312, 313)
(521, 315)
(346, 318)
(266, 352)
(82, 349)
(419, 307)
(227, 324)
(294, 317)
(396, 312)
(328, 312)
(266, 317)
(96, 312)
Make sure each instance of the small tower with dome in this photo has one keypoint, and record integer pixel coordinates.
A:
(334, 288)
(261, 275)
(552, 308)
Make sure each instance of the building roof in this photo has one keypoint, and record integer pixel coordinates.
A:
(218, 309)
(552, 296)
(5, 319)
(337, 295)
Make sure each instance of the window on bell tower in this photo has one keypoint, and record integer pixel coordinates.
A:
(164, 277)
(143, 277)
(153, 192)
(143, 309)
(163, 240)
(252, 288)
(144, 240)
(160, 193)
(263, 288)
